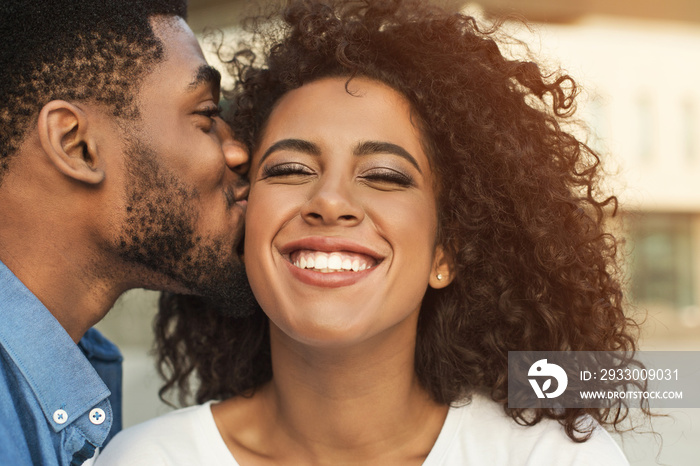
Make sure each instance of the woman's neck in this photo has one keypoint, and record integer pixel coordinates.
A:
(355, 405)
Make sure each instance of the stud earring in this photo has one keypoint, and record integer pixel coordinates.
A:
(439, 276)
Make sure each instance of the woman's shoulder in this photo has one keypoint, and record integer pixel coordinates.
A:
(185, 436)
(479, 432)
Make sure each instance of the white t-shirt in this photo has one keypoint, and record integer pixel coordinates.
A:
(476, 434)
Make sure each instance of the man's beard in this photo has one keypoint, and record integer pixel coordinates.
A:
(159, 235)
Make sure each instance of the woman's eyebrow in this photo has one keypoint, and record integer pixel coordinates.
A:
(297, 145)
(362, 148)
(381, 147)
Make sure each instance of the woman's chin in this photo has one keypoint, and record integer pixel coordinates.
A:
(321, 335)
(345, 331)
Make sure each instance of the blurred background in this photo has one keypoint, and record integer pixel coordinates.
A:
(639, 65)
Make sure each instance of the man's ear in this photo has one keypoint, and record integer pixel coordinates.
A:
(65, 138)
(443, 270)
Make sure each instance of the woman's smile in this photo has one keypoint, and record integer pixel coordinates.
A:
(323, 262)
(329, 261)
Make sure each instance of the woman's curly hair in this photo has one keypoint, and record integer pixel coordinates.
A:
(518, 204)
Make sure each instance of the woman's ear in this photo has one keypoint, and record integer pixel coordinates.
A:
(66, 140)
(443, 270)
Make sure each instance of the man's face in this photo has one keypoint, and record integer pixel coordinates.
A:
(184, 206)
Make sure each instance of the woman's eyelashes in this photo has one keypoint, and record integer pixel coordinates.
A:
(387, 176)
(380, 177)
(288, 170)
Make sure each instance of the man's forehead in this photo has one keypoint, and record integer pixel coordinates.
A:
(163, 25)
(178, 41)
(183, 54)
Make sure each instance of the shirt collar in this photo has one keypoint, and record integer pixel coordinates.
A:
(54, 366)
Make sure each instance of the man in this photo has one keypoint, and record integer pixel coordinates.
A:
(115, 172)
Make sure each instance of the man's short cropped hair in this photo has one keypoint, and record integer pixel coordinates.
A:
(73, 50)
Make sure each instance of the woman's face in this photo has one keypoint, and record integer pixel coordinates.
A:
(341, 222)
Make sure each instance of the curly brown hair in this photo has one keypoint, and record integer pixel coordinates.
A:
(519, 206)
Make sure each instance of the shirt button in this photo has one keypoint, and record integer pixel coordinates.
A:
(97, 416)
(60, 416)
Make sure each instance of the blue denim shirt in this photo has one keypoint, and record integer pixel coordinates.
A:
(55, 403)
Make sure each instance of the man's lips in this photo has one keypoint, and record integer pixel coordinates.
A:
(237, 194)
(241, 191)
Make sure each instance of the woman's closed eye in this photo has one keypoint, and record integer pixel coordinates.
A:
(387, 177)
(381, 178)
(290, 170)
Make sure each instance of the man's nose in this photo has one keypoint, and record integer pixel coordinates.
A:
(235, 152)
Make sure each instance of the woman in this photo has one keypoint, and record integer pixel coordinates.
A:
(416, 211)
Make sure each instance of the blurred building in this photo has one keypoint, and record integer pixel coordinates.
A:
(642, 103)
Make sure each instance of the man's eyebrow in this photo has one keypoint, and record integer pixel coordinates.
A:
(296, 145)
(380, 147)
(206, 74)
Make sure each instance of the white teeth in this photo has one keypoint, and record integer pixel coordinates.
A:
(335, 262)
(321, 262)
(331, 262)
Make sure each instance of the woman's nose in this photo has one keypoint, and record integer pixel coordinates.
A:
(333, 203)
